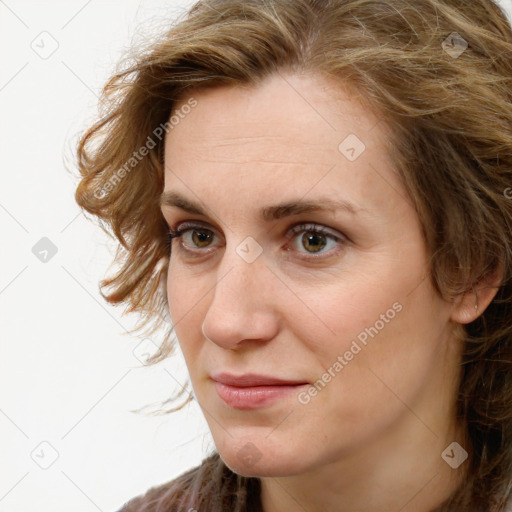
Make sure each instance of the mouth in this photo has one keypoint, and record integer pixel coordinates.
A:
(251, 391)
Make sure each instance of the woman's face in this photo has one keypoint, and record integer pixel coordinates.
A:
(346, 315)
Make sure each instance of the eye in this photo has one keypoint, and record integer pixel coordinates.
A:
(314, 239)
(198, 240)
(193, 237)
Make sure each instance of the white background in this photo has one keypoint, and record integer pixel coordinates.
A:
(69, 377)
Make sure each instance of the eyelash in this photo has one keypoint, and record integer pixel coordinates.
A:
(294, 231)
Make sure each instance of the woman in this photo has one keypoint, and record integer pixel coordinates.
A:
(318, 194)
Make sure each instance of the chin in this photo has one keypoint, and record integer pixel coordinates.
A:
(257, 456)
(267, 468)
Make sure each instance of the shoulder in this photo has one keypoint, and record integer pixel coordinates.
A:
(209, 486)
(168, 496)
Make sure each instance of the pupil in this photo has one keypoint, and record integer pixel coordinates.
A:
(316, 240)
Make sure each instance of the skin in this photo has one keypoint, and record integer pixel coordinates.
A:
(372, 438)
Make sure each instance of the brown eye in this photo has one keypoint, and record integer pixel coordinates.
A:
(201, 237)
(316, 240)
(194, 238)
(313, 242)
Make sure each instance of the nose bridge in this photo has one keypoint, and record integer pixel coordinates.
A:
(239, 309)
(242, 268)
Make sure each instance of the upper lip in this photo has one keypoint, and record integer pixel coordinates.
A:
(252, 379)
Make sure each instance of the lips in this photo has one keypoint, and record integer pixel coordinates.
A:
(251, 380)
(251, 391)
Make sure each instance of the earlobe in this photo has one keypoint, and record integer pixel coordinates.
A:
(470, 305)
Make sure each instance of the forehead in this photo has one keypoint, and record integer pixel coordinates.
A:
(281, 106)
(290, 132)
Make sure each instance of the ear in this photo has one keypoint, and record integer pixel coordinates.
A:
(471, 304)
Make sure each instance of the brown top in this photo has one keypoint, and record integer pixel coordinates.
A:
(209, 487)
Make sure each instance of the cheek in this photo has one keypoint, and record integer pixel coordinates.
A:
(385, 328)
(175, 289)
(396, 351)
(332, 316)
(185, 306)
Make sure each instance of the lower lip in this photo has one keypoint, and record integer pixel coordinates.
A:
(254, 397)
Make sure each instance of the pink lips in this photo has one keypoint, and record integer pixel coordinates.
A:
(251, 391)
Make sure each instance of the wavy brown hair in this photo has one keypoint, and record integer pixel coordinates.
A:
(450, 117)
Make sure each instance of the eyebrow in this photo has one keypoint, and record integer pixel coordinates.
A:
(269, 213)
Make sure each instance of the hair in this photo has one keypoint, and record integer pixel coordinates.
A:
(450, 119)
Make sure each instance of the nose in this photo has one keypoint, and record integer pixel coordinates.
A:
(243, 307)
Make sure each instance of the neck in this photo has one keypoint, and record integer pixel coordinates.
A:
(403, 471)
